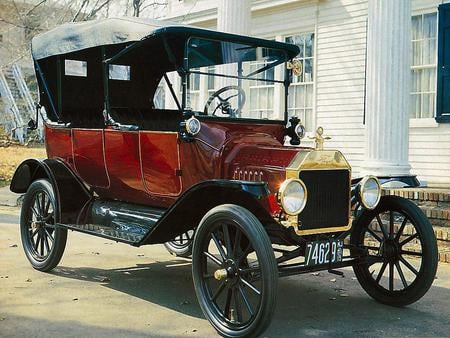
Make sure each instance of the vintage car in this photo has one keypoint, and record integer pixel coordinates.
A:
(206, 174)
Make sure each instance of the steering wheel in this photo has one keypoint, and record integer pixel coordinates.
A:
(224, 103)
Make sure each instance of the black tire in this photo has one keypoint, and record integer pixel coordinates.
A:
(43, 241)
(398, 245)
(251, 285)
(181, 246)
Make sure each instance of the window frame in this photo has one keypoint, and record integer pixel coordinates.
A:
(255, 86)
(422, 67)
(312, 83)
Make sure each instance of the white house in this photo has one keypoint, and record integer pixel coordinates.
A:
(370, 74)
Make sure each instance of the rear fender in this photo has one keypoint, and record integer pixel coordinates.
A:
(70, 193)
(189, 209)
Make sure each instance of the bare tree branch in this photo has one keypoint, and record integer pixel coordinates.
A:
(154, 4)
(85, 3)
(35, 6)
(15, 24)
(96, 9)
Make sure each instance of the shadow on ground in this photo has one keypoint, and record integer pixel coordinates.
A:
(307, 305)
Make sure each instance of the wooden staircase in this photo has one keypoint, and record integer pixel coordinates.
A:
(19, 105)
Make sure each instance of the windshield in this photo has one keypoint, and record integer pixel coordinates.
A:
(234, 80)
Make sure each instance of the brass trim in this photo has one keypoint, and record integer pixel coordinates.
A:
(315, 231)
(319, 139)
(361, 191)
(220, 274)
(189, 127)
(283, 187)
(318, 160)
(296, 66)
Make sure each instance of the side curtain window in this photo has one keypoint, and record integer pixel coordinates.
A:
(443, 83)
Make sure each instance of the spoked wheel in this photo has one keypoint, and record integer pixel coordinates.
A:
(401, 251)
(181, 245)
(235, 272)
(43, 242)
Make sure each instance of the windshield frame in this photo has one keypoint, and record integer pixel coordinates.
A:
(185, 82)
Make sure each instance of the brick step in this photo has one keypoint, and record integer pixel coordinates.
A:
(442, 235)
(434, 202)
(422, 194)
(437, 216)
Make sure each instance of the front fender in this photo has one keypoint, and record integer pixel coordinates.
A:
(189, 209)
(409, 181)
(70, 193)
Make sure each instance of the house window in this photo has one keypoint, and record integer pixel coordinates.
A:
(261, 93)
(301, 91)
(423, 65)
(194, 89)
(211, 80)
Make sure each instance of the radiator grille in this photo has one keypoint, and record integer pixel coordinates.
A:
(328, 199)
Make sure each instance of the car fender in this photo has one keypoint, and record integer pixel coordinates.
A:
(189, 209)
(70, 193)
(407, 180)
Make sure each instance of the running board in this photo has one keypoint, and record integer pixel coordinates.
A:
(132, 235)
(118, 221)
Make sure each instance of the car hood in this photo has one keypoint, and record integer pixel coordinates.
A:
(253, 162)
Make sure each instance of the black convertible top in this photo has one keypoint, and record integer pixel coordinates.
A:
(72, 37)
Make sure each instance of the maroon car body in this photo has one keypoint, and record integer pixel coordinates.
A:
(144, 166)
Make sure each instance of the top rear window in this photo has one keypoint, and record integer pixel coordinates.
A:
(75, 68)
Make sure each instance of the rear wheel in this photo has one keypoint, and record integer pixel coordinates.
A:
(43, 242)
(401, 251)
(235, 271)
(181, 246)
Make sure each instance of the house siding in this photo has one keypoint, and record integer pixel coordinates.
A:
(340, 76)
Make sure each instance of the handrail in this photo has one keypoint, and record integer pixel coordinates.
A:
(26, 95)
(5, 91)
(23, 88)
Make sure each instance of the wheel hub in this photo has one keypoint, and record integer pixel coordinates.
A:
(229, 271)
(35, 225)
(390, 250)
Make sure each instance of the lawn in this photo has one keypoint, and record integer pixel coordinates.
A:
(12, 156)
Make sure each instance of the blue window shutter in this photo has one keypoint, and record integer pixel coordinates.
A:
(443, 67)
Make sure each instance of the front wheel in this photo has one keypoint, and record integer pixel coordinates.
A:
(400, 260)
(235, 272)
(43, 241)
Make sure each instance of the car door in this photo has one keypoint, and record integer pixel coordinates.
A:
(160, 161)
(89, 156)
(124, 167)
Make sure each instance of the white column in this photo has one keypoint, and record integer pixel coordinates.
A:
(234, 16)
(388, 87)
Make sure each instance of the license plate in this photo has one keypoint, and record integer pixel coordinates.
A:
(324, 252)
